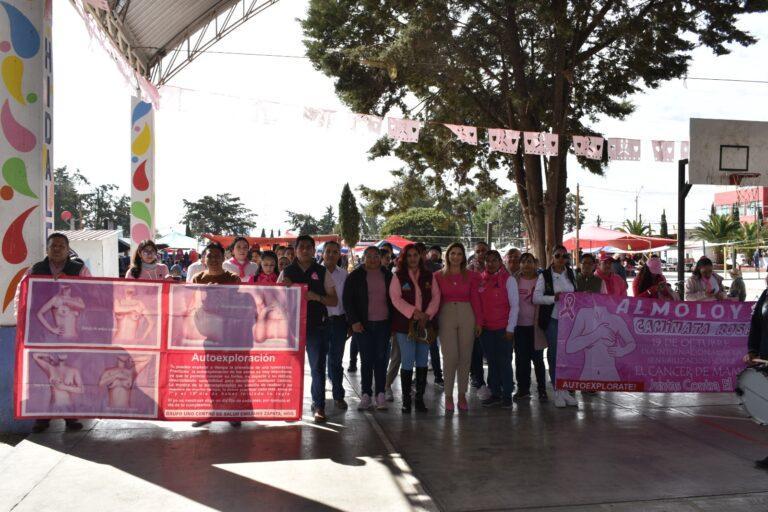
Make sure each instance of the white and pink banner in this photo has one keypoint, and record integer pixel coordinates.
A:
(626, 344)
(466, 134)
(505, 141)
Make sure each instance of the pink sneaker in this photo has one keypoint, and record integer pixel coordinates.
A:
(463, 406)
(365, 403)
(381, 402)
(449, 404)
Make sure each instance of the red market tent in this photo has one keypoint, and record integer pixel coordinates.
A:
(593, 237)
(398, 242)
(267, 242)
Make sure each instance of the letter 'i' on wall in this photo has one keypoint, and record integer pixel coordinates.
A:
(142, 171)
(26, 141)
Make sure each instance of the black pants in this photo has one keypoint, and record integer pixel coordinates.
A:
(525, 353)
(354, 350)
(434, 357)
(476, 370)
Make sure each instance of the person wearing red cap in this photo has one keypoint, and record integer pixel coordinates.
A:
(614, 284)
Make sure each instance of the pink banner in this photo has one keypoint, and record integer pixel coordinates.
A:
(625, 344)
(116, 348)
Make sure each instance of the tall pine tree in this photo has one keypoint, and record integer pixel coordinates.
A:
(663, 230)
(349, 217)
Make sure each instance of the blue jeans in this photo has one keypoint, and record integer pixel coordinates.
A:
(498, 352)
(412, 352)
(317, 351)
(551, 334)
(336, 332)
(373, 343)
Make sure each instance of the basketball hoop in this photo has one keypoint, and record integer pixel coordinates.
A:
(734, 178)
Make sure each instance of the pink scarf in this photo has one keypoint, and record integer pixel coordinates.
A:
(236, 263)
(608, 280)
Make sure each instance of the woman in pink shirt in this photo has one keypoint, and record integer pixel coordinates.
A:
(145, 264)
(415, 296)
(461, 317)
(613, 284)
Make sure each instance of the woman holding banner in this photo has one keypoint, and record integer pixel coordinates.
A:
(553, 282)
(145, 264)
(415, 296)
(240, 264)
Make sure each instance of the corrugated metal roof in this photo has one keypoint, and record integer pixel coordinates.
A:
(91, 234)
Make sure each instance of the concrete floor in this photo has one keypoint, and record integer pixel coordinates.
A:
(617, 452)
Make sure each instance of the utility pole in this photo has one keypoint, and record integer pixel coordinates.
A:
(637, 198)
(578, 200)
(488, 232)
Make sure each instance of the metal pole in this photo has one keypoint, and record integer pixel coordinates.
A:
(682, 191)
(578, 200)
(488, 232)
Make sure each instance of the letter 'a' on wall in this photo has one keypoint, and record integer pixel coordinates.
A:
(26, 141)
(142, 171)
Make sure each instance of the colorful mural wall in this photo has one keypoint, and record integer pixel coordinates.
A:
(142, 171)
(26, 141)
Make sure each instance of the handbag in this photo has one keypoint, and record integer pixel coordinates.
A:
(426, 335)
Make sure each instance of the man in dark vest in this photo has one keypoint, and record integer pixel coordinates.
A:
(322, 293)
(57, 263)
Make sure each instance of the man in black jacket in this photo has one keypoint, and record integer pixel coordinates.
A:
(367, 305)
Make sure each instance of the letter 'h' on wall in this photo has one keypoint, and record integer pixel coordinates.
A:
(142, 171)
(26, 141)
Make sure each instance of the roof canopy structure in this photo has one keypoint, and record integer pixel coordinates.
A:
(159, 38)
(592, 237)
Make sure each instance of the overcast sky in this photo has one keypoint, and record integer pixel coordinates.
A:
(213, 138)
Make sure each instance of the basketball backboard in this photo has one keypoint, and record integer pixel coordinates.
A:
(725, 151)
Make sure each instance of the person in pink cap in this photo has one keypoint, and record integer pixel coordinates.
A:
(613, 283)
(650, 282)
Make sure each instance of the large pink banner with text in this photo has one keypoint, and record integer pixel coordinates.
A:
(627, 344)
(117, 348)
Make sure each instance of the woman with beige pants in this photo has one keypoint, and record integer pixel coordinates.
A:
(459, 322)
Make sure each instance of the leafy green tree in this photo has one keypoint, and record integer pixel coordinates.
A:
(506, 215)
(271, 233)
(424, 224)
(569, 223)
(663, 230)
(524, 65)
(68, 195)
(635, 227)
(224, 214)
(752, 232)
(304, 223)
(349, 217)
(327, 223)
(718, 229)
(106, 207)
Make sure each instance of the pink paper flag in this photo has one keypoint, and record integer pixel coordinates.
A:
(466, 134)
(368, 122)
(318, 116)
(99, 4)
(624, 149)
(685, 149)
(663, 150)
(540, 143)
(588, 146)
(404, 130)
(506, 141)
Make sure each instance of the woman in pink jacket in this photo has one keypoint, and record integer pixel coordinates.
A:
(145, 263)
(613, 284)
(499, 299)
(461, 319)
(415, 296)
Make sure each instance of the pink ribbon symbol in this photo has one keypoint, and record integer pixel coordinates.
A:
(569, 304)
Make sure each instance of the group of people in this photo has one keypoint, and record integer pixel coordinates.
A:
(402, 312)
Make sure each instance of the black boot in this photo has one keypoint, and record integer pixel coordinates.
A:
(762, 464)
(406, 379)
(421, 385)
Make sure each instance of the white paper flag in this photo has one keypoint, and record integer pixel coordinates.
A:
(506, 141)
(663, 150)
(623, 149)
(366, 122)
(318, 116)
(685, 149)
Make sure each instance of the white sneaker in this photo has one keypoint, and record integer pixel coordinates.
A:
(559, 398)
(570, 399)
(365, 403)
(483, 393)
(388, 395)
